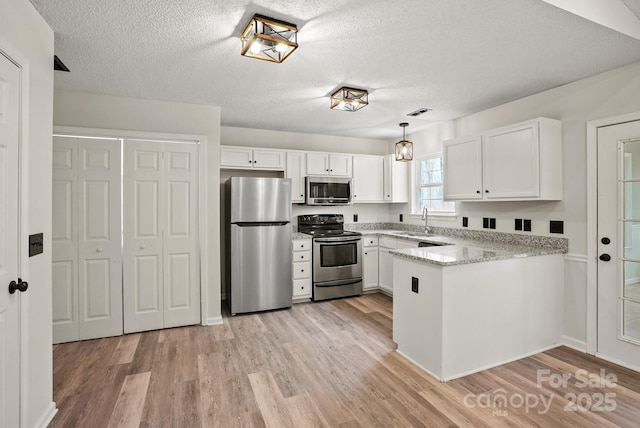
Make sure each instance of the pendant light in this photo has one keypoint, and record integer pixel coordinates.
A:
(404, 148)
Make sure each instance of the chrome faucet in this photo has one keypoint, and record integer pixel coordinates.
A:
(425, 217)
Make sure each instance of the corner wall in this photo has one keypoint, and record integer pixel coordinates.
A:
(27, 38)
(108, 112)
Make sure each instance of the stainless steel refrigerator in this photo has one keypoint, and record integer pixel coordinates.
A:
(258, 238)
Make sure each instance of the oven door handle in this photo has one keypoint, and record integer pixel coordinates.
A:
(338, 282)
(337, 240)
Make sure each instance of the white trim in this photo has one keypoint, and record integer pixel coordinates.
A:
(405, 356)
(618, 362)
(387, 291)
(578, 345)
(214, 321)
(45, 419)
(577, 258)
(592, 223)
(416, 185)
(203, 203)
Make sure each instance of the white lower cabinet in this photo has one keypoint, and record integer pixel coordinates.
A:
(301, 269)
(385, 260)
(369, 262)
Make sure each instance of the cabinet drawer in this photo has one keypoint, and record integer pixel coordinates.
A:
(301, 288)
(369, 241)
(301, 244)
(386, 242)
(302, 270)
(301, 256)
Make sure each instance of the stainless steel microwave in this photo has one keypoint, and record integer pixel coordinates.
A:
(328, 190)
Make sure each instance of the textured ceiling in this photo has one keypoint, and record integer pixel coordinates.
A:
(454, 56)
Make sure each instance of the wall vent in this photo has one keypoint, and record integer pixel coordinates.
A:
(419, 112)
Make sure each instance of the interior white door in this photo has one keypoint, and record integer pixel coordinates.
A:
(619, 243)
(99, 238)
(9, 248)
(65, 240)
(142, 242)
(181, 276)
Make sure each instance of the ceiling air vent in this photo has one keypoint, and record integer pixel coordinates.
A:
(59, 65)
(418, 112)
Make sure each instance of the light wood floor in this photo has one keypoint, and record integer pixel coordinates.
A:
(318, 364)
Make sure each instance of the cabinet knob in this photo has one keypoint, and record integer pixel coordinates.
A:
(301, 270)
(486, 191)
(366, 254)
(327, 170)
(302, 196)
(477, 191)
(99, 250)
(331, 170)
(388, 196)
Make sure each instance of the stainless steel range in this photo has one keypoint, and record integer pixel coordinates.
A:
(337, 256)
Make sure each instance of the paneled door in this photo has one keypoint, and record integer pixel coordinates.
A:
(619, 243)
(9, 248)
(87, 257)
(161, 269)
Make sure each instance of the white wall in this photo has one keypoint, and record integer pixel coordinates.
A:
(298, 141)
(109, 112)
(605, 95)
(26, 37)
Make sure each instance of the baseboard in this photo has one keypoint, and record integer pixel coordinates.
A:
(47, 416)
(214, 321)
(618, 362)
(576, 344)
(419, 366)
(387, 291)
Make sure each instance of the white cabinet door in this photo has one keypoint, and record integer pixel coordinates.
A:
(268, 159)
(340, 165)
(99, 261)
(236, 157)
(385, 270)
(317, 163)
(368, 178)
(462, 165)
(370, 268)
(142, 251)
(64, 240)
(9, 203)
(396, 180)
(512, 162)
(181, 276)
(296, 171)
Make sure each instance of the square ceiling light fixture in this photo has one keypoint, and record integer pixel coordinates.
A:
(404, 148)
(269, 39)
(349, 99)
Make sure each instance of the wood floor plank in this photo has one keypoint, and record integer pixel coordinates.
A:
(330, 363)
(128, 410)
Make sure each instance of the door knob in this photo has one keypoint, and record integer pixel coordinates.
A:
(605, 257)
(605, 241)
(20, 286)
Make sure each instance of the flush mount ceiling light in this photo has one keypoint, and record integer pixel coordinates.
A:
(269, 39)
(404, 148)
(349, 99)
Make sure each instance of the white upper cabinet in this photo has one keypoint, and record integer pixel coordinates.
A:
(368, 178)
(462, 166)
(337, 165)
(517, 162)
(396, 180)
(296, 171)
(248, 158)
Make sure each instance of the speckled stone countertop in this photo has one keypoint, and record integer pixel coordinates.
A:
(461, 246)
(298, 235)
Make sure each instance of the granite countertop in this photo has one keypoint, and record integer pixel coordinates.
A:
(477, 248)
(298, 235)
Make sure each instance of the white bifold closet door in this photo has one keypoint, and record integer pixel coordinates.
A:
(86, 239)
(161, 280)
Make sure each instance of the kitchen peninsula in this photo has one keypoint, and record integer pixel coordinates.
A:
(472, 304)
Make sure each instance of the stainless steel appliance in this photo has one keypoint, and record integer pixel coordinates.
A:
(258, 242)
(328, 190)
(336, 254)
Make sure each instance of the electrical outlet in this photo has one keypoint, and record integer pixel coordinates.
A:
(401, 218)
(518, 224)
(36, 244)
(414, 284)
(355, 218)
(556, 226)
(465, 221)
(526, 225)
(485, 222)
(492, 223)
